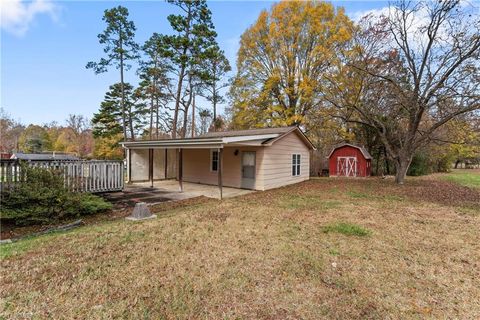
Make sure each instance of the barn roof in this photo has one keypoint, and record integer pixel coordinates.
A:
(252, 137)
(364, 151)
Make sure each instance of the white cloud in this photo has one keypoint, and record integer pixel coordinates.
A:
(358, 15)
(418, 21)
(16, 16)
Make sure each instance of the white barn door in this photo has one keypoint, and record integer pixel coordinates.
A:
(347, 166)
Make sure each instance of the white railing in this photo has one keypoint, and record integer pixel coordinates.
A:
(78, 176)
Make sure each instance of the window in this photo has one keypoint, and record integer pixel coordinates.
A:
(214, 160)
(295, 164)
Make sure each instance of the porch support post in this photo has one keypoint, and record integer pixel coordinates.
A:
(129, 165)
(180, 169)
(220, 171)
(150, 166)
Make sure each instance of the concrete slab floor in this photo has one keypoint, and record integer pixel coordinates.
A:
(170, 189)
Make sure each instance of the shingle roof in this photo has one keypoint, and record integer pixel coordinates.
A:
(250, 132)
(364, 151)
(43, 156)
(213, 139)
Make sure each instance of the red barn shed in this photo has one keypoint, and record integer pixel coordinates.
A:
(349, 160)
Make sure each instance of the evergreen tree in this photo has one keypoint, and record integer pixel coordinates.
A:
(120, 47)
(155, 82)
(194, 35)
(108, 121)
(216, 67)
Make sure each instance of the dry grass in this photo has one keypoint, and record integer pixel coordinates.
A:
(263, 256)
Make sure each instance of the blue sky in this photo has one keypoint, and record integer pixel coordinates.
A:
(45, 46)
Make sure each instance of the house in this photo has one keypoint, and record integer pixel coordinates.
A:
(50, 156)
(349, 160)
(257, 159)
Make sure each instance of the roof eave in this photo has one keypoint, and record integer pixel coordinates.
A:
(294, 129)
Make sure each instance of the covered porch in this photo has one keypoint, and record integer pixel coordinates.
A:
(192, 190)
(216, 167)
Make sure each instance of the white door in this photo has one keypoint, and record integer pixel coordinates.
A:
(347, 166)
(248, 170)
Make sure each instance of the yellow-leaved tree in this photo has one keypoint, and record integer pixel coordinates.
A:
(282, 60)
(108, 147)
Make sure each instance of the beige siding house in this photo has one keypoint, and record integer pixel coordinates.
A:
(257, 159)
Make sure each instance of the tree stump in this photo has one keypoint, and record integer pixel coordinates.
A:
(141, 212)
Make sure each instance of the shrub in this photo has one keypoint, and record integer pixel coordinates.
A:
(420, 165)
(41, 197)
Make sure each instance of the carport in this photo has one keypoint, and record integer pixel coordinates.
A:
(177, 146)
(255, 159)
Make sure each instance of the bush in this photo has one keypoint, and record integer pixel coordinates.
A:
(419, 165)
(42, 198)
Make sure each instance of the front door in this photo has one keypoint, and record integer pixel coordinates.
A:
(347, 166)
(248, 170)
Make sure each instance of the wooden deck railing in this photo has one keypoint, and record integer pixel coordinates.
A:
(79, 176)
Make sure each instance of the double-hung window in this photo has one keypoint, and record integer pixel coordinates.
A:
(214, 160)
(295, 164)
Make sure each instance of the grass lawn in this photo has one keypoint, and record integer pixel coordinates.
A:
(327, 248)
(466, 177)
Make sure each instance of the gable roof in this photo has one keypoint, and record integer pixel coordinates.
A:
(252, 137)
(364, 151)
(249, 132)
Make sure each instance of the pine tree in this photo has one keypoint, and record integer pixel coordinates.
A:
(194, 35)
(216, 67)
(155, 82)
(120, 48)
(108, 121)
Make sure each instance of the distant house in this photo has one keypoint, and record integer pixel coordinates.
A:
(349, 160)
(257, 159)
(43, 156)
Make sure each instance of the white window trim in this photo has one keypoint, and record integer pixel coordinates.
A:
(211, 159)
(298, 172)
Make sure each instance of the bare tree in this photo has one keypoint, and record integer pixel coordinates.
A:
(411, 72)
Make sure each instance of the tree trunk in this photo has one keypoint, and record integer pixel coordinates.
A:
(378, 161)
(124, 117)
(157, 120)
(456, 164)
(130, 122)
(387, 166)
(214, 98)
(402, 163)
(185, 123)
(151, 116)
(181, 75)
(177, 102)
(193, 117)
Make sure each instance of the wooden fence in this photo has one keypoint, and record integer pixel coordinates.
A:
(78, 176)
